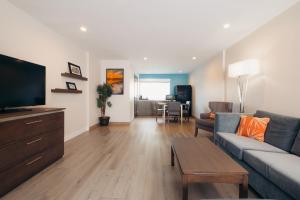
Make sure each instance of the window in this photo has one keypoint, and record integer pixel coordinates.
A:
(154, 89)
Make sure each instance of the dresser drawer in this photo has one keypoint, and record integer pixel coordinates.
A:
(37, 125)
(13, 131)
(10, 155)
(37, 144)
(21, 172)
(10, 132)
(17, 152)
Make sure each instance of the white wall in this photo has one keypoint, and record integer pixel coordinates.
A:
(94, 81)
(275, 89)
(131, 93)
(23, 37)
(122, 105)
(277, 46)
(208, 84)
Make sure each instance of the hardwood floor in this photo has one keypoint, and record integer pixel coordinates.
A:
(119, 162)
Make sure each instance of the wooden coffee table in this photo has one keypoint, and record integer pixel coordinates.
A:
(200, 160)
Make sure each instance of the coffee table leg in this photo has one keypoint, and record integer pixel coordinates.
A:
(243, 188)
(184, 188)
(172, 157)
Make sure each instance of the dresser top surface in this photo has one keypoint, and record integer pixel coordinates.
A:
(28, 113)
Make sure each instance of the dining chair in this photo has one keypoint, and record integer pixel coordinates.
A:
(159, 108)
(186, 110)
(173, 110)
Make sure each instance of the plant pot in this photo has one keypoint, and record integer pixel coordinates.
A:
(104, 121)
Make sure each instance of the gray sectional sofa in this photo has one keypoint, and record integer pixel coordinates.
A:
(273, 165)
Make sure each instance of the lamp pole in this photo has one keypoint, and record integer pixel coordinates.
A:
(242, 90)
(241, 71)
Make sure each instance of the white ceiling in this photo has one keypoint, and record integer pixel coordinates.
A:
(168, 32)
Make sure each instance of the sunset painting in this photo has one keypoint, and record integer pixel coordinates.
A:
(115, 77)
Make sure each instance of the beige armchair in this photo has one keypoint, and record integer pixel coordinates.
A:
(206, 122)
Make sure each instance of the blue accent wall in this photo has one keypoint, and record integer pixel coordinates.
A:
(175, 79)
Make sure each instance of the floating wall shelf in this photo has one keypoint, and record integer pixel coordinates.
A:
(58, 90)
(74, 76)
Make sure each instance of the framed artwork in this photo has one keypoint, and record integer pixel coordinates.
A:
(71, 86)
(115, 77)
(74, 69)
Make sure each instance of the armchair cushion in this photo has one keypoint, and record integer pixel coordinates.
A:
(205, 122)
(204, 116)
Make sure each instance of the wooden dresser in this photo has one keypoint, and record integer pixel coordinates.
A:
(29, 142)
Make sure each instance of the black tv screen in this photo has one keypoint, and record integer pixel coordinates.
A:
(21, 83)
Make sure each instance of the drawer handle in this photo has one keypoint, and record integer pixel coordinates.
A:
(34, 122)
(33, 161)
(34, 141)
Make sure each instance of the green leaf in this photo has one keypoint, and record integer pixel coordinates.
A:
(105, 91)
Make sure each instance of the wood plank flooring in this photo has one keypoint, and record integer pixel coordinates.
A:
(119, 162)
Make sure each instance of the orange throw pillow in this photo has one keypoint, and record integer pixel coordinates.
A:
(212, 115)
(253, 127)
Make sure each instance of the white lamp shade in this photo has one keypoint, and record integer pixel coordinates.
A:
(245, 67)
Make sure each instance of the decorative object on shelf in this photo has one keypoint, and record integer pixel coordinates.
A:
(242, 70)
(105, 91)
(115, 78)
(71, 86)
(75, 73)
(74, 69)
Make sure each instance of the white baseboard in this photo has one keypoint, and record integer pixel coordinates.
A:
(75, 133)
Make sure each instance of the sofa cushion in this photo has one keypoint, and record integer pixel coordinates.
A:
(235, 144)
(281, 131)
(281, 169)
(296, 146)
(227, 122)
(206, 122)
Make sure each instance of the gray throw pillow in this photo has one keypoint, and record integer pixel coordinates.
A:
(281, 131)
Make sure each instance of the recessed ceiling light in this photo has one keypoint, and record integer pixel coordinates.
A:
(194, 58)
(145, 58)
(226, 26)
(83, 29)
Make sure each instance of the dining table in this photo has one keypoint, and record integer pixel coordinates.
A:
(164, 105)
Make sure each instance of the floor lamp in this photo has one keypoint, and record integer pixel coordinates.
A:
(241, 71)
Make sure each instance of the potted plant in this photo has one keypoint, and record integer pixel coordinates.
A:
(105, 91)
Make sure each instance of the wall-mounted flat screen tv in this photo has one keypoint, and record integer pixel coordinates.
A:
(21, 83)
